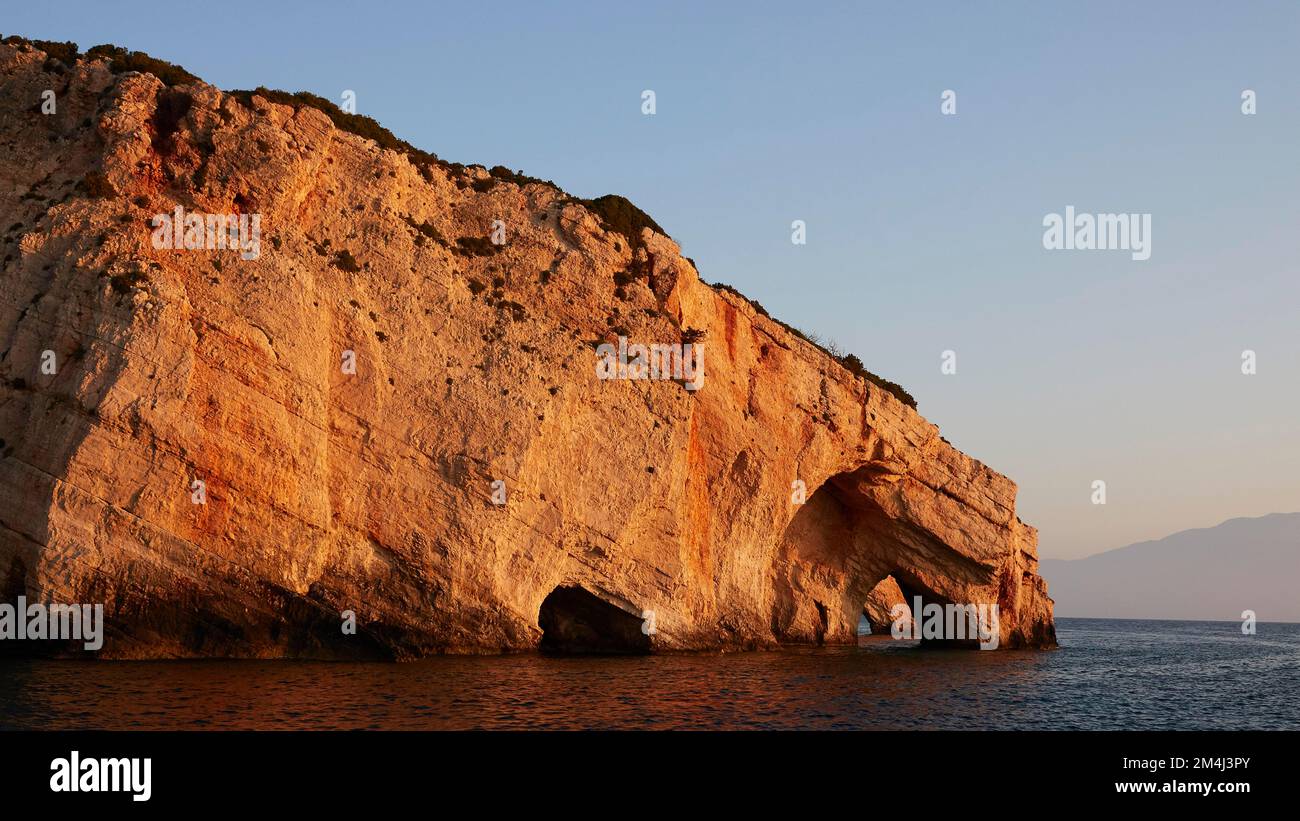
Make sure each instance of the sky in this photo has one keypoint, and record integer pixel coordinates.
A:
(924, 230)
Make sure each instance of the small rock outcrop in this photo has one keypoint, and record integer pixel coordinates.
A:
(879, 608)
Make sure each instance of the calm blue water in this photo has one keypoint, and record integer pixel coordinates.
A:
(1108, 674)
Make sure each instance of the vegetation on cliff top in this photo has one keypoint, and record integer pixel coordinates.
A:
(65, 53)
(122, 61)
(849, 361)
(616, 213)
(358, 124)
(119, 59)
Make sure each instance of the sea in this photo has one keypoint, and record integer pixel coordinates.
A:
(1107, 675)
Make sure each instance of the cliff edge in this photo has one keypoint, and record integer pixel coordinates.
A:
(183, 440)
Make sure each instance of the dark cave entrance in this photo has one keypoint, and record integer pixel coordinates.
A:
(912, 591)
(576, 621)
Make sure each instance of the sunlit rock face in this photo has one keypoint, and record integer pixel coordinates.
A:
(379, 416)
(885, 607)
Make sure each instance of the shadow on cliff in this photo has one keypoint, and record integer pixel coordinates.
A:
(79, 354)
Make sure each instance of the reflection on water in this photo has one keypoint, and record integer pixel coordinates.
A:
(1107, 675)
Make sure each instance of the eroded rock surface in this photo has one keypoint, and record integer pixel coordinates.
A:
(879, 608)
(373, 492)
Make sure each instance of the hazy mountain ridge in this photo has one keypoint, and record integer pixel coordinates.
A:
(1205, 573)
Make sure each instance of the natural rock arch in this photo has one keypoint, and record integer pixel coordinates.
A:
(841, 544)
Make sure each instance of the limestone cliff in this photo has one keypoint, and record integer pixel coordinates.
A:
(376, 491)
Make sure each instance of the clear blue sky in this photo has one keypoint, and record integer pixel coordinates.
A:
(924, 231)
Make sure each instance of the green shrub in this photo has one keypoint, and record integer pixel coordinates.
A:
(519, 178)
(66, 53)
(122, 61)
(619, 215)
(855, 366)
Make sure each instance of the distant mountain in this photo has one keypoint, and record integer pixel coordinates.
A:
(1210, 573)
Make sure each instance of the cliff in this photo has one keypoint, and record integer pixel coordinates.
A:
(474, 382)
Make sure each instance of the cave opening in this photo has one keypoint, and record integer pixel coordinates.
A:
(846, 563)
(884, 606)
(575, 621)
(915, 594)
